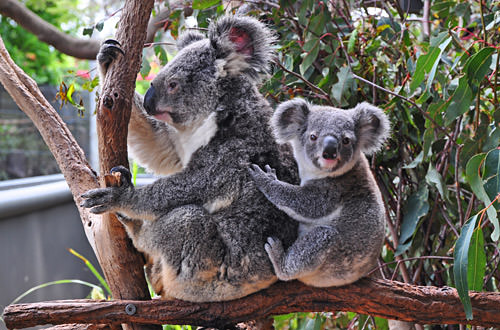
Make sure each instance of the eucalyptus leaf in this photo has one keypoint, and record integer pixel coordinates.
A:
(477, 261)
(417, 206)
(461, 261)
(478, 65)
(424, 65)
(473, 177)
(460, 101)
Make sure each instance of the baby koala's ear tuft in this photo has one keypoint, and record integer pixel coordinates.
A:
(373, 127)
(188, 38)
(290, 119)
(242, 45)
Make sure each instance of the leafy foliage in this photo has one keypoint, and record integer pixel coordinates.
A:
(441, 166)
(36, 58)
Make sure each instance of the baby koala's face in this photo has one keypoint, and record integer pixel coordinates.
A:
(329, 140)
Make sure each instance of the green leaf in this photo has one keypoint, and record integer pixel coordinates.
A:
(416, 207)
(88, 31)
(433, 70)
(477, 261)
(204, 4)
(309, 58)
(416, 161)
(460, 268)
(473, 177)
(352, 41)
(460, 101)
(424, 65)
(69, 93)
(41, 286)
(477, 66)
(345, 83)
(492, 175)
(492, 165)
(93, 270)
(434, 178)
(99, 26)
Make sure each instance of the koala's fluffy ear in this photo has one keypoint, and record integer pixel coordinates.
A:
(373, 127)
(188, 37)
(290, 119)
(242, 45)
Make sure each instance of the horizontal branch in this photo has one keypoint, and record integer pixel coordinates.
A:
(383, 298)
(83, 48)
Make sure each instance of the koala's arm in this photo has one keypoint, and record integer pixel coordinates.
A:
(156, 199)
(306, 204)
(150, 141)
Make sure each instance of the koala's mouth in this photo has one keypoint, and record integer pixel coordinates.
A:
(166, 115)
(329, 164)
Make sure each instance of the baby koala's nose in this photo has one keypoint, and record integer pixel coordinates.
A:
(330, 147)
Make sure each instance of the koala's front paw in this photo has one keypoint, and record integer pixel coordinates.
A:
(274, 249)
(109, 51)
(260, 176)
(109, 199)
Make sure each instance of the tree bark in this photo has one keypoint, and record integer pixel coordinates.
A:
(80, 48)
(383, 298)
(122, 265)
(68, 154)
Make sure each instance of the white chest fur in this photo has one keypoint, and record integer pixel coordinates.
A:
(195, 137)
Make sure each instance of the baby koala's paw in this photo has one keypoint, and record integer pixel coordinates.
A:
(260, 176)
(274, 249)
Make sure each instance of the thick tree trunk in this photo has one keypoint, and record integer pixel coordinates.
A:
(387, 299)
(121, 263)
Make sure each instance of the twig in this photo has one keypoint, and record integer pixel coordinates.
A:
(457, 185)
(425, 114)
(307, 82)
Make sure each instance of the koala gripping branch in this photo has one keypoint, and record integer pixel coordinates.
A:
(383, 298)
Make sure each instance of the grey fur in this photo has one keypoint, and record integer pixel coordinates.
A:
(338, 205)
(203, 227)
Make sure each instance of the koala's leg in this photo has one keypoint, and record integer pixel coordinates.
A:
(304, 257)
(192, 261)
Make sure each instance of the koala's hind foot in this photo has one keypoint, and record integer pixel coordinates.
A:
(109, 51)
(304, 258)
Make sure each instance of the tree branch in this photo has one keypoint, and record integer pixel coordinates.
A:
(121, 263)
(383, 298)
(68, 154)
(80, 48)
(65, 43)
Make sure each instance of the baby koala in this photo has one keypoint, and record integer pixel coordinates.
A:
(338, 204)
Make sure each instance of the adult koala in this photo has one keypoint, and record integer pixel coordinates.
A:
(203, 227)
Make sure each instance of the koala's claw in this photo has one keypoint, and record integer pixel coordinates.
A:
(98, 200)
(257, 173)
(109, 51)
(274, 249)
(102, 200)
(270, 171)
(125, 177)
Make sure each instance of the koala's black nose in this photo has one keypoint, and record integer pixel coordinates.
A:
(149, 101)
(330, 147)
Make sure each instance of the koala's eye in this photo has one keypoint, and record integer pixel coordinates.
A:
(313, 137)
(346, 140)
(172, 87)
